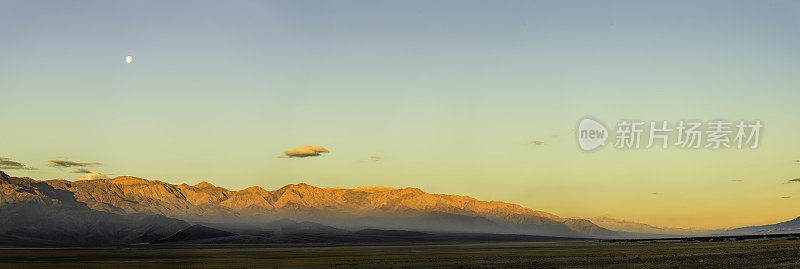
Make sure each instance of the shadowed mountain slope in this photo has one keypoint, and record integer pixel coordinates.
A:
(195, 232)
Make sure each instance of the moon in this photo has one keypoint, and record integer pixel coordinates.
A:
(128, 59)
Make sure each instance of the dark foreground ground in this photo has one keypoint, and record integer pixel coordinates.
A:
(730, 253)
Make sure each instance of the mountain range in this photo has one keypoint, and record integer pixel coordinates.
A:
(129, 210)
(363, 207)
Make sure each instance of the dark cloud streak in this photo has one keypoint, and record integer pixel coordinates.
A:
(60, 163)
(6, 163)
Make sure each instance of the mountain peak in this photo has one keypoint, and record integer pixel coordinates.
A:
(203, 185)
(297, 187)
(410, 190)
(300, 185)
(129, 180)
(373, 188)
(253, 189)
(3, 176)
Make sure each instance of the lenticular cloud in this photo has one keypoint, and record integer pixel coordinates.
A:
(305, 151)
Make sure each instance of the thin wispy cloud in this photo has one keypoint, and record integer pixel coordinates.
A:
(6, 163)
(92, 175)
(375, 158)
(82, 171)
(62, 163)
(305, 151)
(796, 180)
(786, 197)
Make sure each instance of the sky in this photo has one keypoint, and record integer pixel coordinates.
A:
(449, 94)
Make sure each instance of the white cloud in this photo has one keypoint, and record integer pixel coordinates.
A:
(92, 175)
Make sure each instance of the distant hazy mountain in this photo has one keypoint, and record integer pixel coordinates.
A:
(365, 207)
(647, 231)
(641, 228)
(791, 226)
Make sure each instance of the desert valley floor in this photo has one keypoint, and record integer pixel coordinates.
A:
(780, 252)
